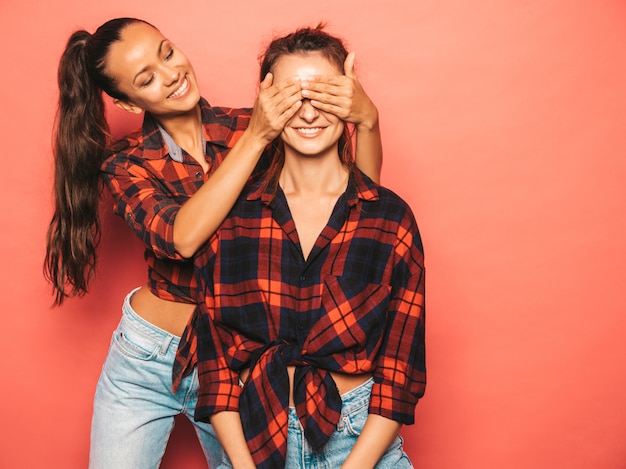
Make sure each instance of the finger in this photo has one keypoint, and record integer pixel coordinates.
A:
(348, 65)
(342, 98)
(336, 94)
(290, 112)
(288, 89)
(278, 106)
(337, 110)
(271, 90)
(278, 100)
(318, 82)
(279, 122)
(285, 90)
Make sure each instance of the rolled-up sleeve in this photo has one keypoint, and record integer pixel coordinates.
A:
(219, 388)
(140, 199)
(400, 376)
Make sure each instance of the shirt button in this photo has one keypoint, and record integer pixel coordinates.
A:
(198, 175)
(302, 278)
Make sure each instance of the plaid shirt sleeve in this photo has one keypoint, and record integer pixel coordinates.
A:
(221, 388)
(140, 200)
(400, 376)
(149, 188)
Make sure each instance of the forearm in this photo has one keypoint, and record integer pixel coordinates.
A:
(229, 431)
(203, 213)
(369, 148)
(377, 435)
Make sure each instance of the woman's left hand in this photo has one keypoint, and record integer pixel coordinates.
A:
(343, 96)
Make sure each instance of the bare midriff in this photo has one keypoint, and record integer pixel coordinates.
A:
(171, 316)
(345, 382)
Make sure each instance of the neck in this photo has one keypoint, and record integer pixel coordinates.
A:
(185, 129)
(313, 177)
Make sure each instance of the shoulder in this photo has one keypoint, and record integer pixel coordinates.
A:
(224, 125)
(248, 206)
(379, 198)
(390, 212)
(225, 115)
(388, 197)
(123, 149)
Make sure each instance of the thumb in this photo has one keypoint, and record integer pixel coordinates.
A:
(348, 65)
(267, 81)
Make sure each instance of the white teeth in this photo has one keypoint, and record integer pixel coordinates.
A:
(180, 90)
(309, 130)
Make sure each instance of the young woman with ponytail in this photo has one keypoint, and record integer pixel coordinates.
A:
(173, 185)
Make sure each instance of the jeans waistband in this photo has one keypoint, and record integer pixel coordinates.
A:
(351, 401)
(151, 332)
(357, 397)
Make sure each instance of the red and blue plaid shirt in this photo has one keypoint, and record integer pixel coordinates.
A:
(355, 305)
(149, 186)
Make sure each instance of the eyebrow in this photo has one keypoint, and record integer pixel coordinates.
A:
(146, 68)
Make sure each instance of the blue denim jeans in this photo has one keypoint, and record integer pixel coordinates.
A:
(354, 412)
(134, 407)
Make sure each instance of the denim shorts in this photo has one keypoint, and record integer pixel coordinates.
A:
(354, 412)
(134, 407)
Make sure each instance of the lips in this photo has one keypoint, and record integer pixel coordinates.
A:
(308, 131)
(182, 89)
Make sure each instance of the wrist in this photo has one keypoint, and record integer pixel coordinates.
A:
(248, 465)
(369, 124)
(242, 460)
(255, 142)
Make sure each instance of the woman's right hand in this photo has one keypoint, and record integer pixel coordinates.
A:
(274, 107)
(200, 216)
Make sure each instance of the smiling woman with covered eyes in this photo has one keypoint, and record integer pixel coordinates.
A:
(311, 328)
(173, 183)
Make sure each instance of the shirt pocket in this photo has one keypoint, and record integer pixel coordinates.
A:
(352, 315)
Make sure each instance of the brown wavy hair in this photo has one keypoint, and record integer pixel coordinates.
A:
(81, 136)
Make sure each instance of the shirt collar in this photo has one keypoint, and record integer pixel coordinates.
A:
(158, 143)
(175, 151)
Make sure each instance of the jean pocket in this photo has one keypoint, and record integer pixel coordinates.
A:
(225, 463)
(354, 421)
(136, 346)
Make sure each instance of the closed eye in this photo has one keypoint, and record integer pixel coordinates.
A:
(148, 81)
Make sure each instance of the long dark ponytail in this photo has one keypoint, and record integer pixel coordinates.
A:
(80, 146)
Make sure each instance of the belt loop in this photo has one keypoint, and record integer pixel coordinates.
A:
(341, 423)
(166, 343)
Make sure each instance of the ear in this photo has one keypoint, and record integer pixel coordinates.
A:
(127, 106)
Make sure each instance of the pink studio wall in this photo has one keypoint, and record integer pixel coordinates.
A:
(503, 127)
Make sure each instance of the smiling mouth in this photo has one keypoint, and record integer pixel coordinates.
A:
(308, 131)
(181, 89)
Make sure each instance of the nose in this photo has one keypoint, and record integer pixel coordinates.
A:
(170, 74)
(308, 112)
